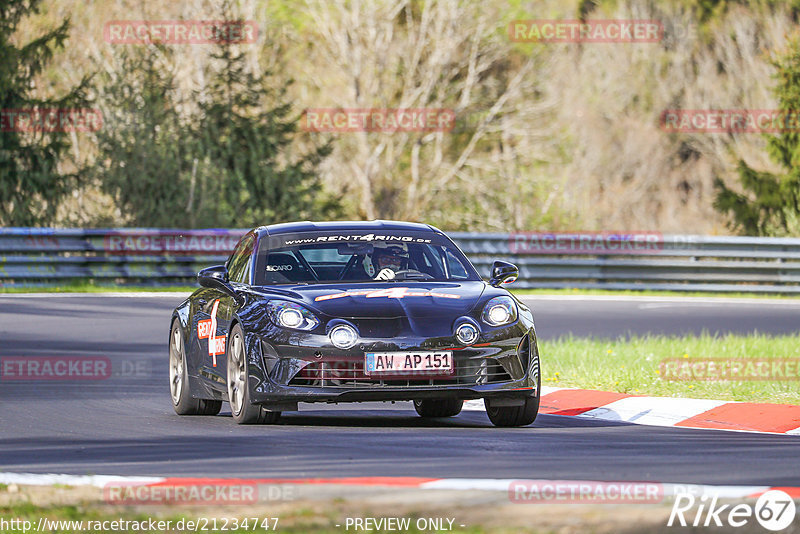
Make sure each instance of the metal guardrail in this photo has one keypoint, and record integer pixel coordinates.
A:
(42, 256)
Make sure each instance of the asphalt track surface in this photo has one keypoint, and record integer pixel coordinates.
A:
(125, 425)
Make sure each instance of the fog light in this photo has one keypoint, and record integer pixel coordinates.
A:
(467, 333)
(343, 336)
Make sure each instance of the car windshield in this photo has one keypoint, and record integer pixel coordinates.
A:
(367, 257)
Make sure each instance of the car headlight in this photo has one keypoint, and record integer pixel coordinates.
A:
(291, 315)
(499, 311)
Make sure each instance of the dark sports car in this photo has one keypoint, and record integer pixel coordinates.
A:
(348, 312)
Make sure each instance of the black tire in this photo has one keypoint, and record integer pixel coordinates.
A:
(438, 407)
(507, 416)
(179, 385)
(243, 411)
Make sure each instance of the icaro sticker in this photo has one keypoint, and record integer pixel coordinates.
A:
(207, 328)
(391, 293)
(271, 268)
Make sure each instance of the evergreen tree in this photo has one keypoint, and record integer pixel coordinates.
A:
(770, 204)
(223, 161)
(144, 159)
(247, 135)
(31, 185)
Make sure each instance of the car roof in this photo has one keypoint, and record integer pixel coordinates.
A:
(374, 226)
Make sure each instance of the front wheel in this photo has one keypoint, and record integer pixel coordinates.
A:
(179, 386)
(242, 410)
(438, 407)
(507, 416)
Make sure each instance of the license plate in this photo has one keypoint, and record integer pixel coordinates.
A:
(408, 363)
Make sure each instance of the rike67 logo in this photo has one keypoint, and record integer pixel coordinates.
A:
(774, 510)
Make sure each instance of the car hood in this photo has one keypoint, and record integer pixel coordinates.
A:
(384, 299)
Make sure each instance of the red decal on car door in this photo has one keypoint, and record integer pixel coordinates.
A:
(207, 328)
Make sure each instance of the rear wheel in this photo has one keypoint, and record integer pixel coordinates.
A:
(520, 415)
(242, 410)
(179, 386)
(438, 407)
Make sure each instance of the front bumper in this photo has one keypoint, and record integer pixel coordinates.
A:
(288, 395)
(504, 364)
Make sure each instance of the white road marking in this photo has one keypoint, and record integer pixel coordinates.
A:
(485, 484)
(656, 411)
(669, 489)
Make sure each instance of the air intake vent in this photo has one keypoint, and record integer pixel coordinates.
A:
(524, 351)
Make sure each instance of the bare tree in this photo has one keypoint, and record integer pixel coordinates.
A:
(433, 54)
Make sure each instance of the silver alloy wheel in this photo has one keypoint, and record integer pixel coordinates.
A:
(176, 366)
(236, 375)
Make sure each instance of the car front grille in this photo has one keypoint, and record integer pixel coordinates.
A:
(351, 374)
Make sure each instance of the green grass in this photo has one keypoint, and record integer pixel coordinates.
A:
(644, 293)
(632, 365)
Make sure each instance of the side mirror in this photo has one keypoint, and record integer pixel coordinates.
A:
(217, 278)
(503, 273)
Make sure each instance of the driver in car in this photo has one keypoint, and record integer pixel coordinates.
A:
(388, 260)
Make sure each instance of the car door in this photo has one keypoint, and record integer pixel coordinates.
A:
(216, 313)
